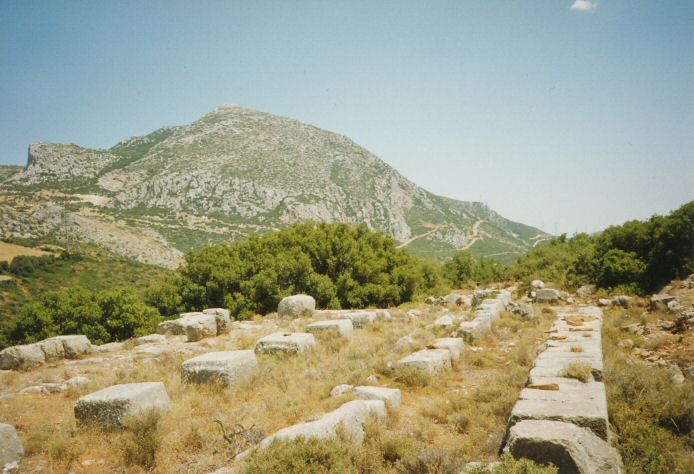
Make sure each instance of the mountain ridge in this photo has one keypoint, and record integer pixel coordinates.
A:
(238, 171)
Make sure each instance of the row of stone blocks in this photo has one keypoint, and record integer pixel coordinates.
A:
(487, 312)
(27, 356)
(110, 406)
(563, 420)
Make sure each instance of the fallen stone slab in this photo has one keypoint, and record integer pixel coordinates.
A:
(390, 396)
(196, 325)
(342, 389)
(431, 361)
(27, 356)
(546, 295)
(296, 306)
(525, 311)
(228, 367)
(150, 339)
(73, 346)
(11, 449)
(660, 302)
(22, 357)
(200, 326)
(334, 327)
(348, 419)
(475, 329)
(454, 345)
(493, 306)
(110, 347)
(110, 406)
(405, 343)
(171, 327)
(223, 318)
(285, 343)
(359, 319)
(445, 321)
(571, 448)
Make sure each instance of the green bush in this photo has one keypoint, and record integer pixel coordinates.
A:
(340, 265)
(651, 416)
(637, 256)
(25, 265)
(464, 268)
(102, 316)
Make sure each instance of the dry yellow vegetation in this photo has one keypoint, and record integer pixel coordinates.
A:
(461, 413)
(9, 251)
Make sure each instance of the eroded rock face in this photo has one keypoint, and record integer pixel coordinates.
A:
(111, 406)
(11, 449)
(571, 448)
(296, 306)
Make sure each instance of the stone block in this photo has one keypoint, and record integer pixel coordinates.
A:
(285, 343)
(228, 367)
(431, 361)
(335, 327)
(571, 448)
(110, 406)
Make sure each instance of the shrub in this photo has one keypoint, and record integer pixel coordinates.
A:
(141, 440)
(508, 465)
(636, 257)
(102, 316)
(303, 456)
(25, 265)
(464, 268)
(340, 265)
(411, 377)
(651, 416)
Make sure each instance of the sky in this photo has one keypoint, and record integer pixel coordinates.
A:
(566, 115)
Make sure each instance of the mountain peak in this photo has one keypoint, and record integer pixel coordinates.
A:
(239, 171)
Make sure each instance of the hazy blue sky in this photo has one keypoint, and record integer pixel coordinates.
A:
(562, 114)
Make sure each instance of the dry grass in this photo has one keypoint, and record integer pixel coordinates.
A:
(577, 370)
(460, 415)
(9, 251)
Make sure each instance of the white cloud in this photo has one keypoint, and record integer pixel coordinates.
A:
(584, 6)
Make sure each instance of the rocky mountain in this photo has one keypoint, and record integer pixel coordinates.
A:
(232, 173)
